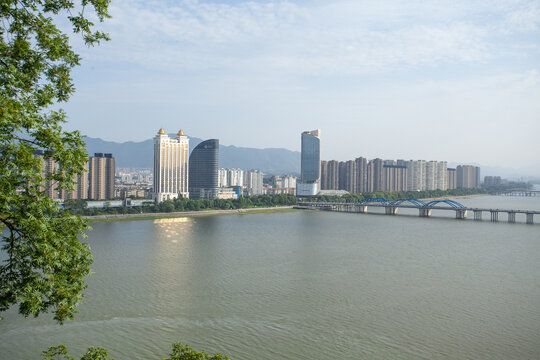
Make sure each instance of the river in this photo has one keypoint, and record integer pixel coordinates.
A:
(305, 285)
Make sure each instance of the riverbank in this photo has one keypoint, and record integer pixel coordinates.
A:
(177, 214)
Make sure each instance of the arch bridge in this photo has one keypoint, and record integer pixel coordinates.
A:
(424, 208)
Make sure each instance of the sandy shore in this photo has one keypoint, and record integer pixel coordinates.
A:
(149, 216)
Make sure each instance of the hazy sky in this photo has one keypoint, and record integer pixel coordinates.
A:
(436, 80)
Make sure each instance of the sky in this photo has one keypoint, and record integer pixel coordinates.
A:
(437, 80)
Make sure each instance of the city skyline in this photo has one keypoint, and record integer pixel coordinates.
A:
(509, 173)
(436, 80)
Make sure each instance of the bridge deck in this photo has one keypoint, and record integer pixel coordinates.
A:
(517, 211)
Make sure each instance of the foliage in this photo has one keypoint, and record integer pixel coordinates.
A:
(179, 352)
(45, 263)
(75, 204)
(184, 204)
(508, 186)
(60, 352)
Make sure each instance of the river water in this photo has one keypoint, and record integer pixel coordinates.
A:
(305, 285)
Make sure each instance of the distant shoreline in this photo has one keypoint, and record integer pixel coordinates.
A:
(177, 214)
(453, 197)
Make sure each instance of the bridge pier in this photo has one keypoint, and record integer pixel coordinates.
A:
(425, 212)
(461, 214)
(477, 214)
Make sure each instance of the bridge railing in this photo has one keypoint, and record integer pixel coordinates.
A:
(385, 202)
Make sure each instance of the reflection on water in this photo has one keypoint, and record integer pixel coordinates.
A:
(173, 228)
(304, 285)
(173, 220)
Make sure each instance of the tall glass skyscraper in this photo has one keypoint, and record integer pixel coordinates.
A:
(203, 170)
(311, 164)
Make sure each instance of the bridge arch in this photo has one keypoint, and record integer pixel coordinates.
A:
(452, 203)
(383, 201)
(415, 202)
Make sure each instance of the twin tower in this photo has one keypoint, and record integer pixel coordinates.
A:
(177, 173)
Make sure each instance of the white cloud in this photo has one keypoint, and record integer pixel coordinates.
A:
(341, 37)
(425, 70)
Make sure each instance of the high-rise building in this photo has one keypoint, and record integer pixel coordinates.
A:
(171, 171)
(230, 177)
(441, 175)
(253, 181)
(330, 175)
(203, 170)
(361, 174)
(222, 178)
(347, 176)
(235, 177)
(467, 176)
(451, 178)
(431, 169)
(310, 164)
(375, 175)
(492, 181)
(289, 181)
(416, 175)
(80, 190)
(276, 181)
(101, 177)
(394, 178)
(324, 175)
(49, 167)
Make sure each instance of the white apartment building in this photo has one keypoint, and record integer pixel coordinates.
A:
(426, 175)
(288, 181)
(431, 175)
(171, 166)
(253, 182)
(230, 177)
(442, 175)
(222, 178)
(235, 177)
(416, 175)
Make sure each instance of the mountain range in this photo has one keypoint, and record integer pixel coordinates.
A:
(141, 155)
(270, 161)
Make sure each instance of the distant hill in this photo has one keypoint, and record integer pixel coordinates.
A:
(140, 155)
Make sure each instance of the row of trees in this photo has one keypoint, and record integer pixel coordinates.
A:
(179, 352)
(183, 204)
(79, 207)
(509, 186)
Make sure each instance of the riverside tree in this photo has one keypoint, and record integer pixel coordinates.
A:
(43, 262)
(179, 352)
